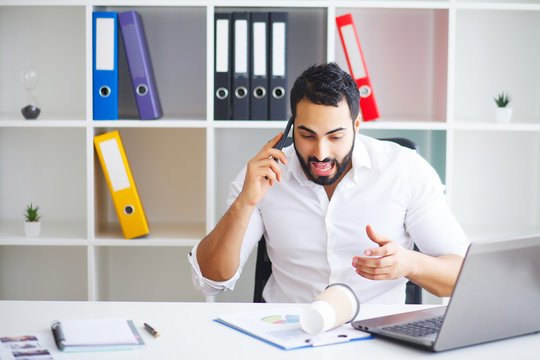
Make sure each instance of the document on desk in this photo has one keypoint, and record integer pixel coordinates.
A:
(78, 335)
(24, 347)
(281, 327)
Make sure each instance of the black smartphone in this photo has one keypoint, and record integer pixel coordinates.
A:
(281, 142)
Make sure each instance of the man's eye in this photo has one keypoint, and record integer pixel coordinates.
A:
(307, 136)
(335, 138)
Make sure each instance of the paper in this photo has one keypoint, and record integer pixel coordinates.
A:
(281, 327)
(23, 347)
(96, 334)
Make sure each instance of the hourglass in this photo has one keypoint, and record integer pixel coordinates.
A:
(29, 78)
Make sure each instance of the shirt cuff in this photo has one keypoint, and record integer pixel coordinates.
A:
(206, 286)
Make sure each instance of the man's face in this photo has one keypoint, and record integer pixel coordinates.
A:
(324, 140)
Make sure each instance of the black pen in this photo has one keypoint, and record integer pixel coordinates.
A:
(151, 330)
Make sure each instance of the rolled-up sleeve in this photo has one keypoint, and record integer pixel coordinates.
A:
(429, 220)
(253, 234)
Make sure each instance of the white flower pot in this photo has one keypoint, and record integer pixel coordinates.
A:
(32, 228)
(503, 115)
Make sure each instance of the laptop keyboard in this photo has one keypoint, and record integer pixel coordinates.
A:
(417, 328)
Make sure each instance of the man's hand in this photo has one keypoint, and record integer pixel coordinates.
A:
(392, 260)
(262, 172)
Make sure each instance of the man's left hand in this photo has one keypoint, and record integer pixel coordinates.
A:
(388, 261)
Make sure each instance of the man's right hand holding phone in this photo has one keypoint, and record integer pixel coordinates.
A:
(263, 171)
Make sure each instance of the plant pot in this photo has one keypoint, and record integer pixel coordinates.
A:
(32, 228)
(503, 115)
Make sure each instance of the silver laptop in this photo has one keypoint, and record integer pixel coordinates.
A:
(497, 296)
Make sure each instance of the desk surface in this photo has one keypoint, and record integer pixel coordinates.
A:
(188, 332)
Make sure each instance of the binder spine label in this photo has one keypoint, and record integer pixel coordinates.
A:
(105, 44)
(114, 164)
(278, 47)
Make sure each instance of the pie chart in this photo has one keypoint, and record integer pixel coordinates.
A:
(281, 319)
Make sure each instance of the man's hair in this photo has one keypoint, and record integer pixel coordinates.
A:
(326, 84)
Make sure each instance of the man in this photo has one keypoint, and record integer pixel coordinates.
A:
(341, 207)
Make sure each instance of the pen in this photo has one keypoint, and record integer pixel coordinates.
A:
(151, 330)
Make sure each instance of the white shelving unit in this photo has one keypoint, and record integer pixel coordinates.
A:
(435, 67)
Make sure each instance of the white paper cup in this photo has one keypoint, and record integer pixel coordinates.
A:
(335, 306)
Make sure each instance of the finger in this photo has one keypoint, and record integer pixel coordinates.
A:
(269, 175)
(374, 277)
(272, 166)
(381, 262)
(274, 141)
(376, 238)
(384, 250)
(373, 271)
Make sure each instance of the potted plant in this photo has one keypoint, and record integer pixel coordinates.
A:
(32, 225)
(503, 113)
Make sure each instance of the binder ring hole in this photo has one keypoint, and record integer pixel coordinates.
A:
(142, 90)
(278, 92)
(104, 91)
(128, 210)
(365, 91)
(241, 92)
(259, 92)
(222, 93)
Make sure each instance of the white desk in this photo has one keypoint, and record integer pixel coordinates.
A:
(189, 332)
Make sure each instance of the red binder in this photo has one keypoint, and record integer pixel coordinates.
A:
(357, 66)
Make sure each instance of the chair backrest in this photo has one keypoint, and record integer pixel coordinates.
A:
(263, 267)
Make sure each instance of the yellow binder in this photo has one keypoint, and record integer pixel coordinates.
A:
(121, 184)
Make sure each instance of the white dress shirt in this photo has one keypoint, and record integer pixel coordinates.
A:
(311, 240)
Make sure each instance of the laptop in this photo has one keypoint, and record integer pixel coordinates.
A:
(496, 296)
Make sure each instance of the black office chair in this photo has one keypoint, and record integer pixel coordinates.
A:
(263, 267)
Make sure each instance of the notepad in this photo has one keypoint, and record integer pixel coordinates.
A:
(78, 335)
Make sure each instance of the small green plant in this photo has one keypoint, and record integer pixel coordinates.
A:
(502, 100)
(31, 213)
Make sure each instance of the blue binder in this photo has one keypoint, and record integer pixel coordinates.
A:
(105, 65)
(140, 66)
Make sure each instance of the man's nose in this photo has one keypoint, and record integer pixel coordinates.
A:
(321, 150)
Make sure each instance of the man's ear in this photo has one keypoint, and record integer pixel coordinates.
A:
(357, 124)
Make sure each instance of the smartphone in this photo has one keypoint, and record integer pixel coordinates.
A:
(281, 142)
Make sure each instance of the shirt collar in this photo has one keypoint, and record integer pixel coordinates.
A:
(360, 159)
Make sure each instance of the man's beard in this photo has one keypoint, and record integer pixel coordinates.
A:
(325, 180)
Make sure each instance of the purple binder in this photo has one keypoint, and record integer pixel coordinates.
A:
(140, 66)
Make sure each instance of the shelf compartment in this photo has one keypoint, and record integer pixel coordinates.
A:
(406, 53)
(176, 38)
(307, 25)
(167, 165)
(497, 51)
(46, 167)
(36, 37)
(43, 273)
(495, 185)
(431, 145)
(233, 149)
(144, 274)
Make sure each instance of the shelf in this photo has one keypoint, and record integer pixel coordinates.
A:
(161, 123)
(179, 234)
(53, 233)
(492, 232)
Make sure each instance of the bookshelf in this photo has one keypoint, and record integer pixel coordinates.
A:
(435, 66)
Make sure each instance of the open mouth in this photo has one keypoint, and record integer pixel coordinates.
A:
(323, 168)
